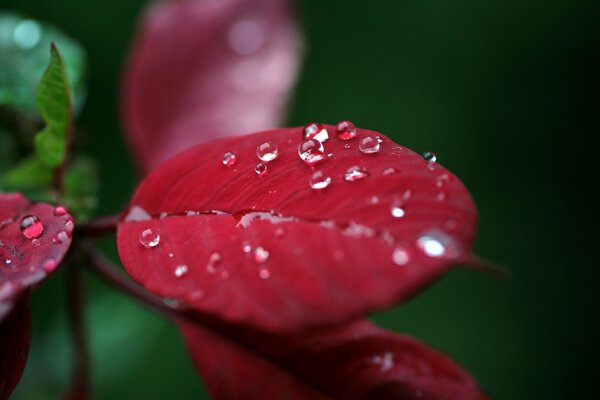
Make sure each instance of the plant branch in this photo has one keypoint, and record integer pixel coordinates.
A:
(99, 226)
(79, 388)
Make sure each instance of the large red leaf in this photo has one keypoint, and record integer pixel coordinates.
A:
(271, 252)
(201, 70)
(15, 331)
(356, 361)
(33, 240)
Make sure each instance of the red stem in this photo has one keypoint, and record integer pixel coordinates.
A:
(100, 226)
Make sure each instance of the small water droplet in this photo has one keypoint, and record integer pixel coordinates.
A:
(264, 272)
(441, 196)
(390, 171)
(442, 180)
(69, 226)
(5, 260)
(60, 237)
(181, 270)
(59, 211)
(347, 145)
(401, 255)
(260, 169)
(149, 238)
(373, 200)
(396, 210)
(266, 151)
(369, 145)
(194, 295)
(50, 264)
(260, 255)
(385, 362)
(430, 157)
(215, 264)
(229, 159)
(246, 247)
(31, 227)
(345, 130)
(315, 131)
(438, 244)
(319, 180)
(355, 173)
(36, 243)
(311, 151)
(279, 233)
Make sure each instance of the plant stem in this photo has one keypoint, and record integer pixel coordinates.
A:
(79, 387)
(99, 226)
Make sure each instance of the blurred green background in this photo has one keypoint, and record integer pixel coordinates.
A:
(502, 91)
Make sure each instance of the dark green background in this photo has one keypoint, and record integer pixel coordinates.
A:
(502, 91)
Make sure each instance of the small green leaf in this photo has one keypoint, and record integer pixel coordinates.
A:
(29, 174)
(54, 105)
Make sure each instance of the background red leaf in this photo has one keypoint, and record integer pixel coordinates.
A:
(271, 252)
(28, 257)
(15, 331)
(201, 70)
(355, 361)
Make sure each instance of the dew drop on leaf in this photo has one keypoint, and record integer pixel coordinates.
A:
(264, 272)
(267, 151)
(311, 151)
(215, 264)
(50, 264)
(369, 145)
(437, 244)
(390, 171)
(260, 255)
(59, 211)
(181, 271)
(315, 131)
(318, 180)
(430, 157)
(229, 159)
(260, 169)
(60, 237)
(31, 227)
(355, 173)
(149, 238)
(401, 255)
(345, 130)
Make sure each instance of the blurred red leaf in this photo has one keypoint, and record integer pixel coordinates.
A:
(15, 331)
(201, 70)
(270, 252)
(356, 361)
(33, 240)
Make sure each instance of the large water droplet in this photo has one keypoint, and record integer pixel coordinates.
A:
(430, 156)
(181, 271)
(266, 151)
(369, 144)
(311, 151)
(355, 173)
(401, 255)
(319, 180)
(59, 211)
(31, 227)
(315, 131)
(229, 159)
(260, 255)
(260, 169)
(149, 238)
(437, 244)
(345, 130)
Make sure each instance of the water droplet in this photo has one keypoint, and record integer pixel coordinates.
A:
(229, 159)
(311, 151)
(369, 145)
(266, 151)
(390, 171)
(215, 265)
(149, 238)
(430, 157)
(441, 196)
(50, 264)
(264, 272)
(319, 180)
(401, 255)
(59, 211)
(260, 255)
(60, 237)
(315, 131)
(246, 247)
(31, 227)
(438, 244)
(69, 226)
(36, 242)
(5, 259)
(181, 271)
(345, 130)
(396, 210)
(279, 233)
(260, 169)
(355, 173)
(347, 145)
(194, 295)
(373, 200)
(246, 36)
(442, 180)
(385, 362)
(137, 213)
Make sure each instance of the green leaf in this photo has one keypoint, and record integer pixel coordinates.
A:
(29, 174)
(54, 105)
(81, 188)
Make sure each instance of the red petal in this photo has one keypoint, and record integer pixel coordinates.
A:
(15, 331)
(29, 256)
(356, 361)
(202, 70)
(332, 254)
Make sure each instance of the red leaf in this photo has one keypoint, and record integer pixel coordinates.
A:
(33, 240)
(15, 331)
(270, 252)
(356, 361)
(201, 70)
